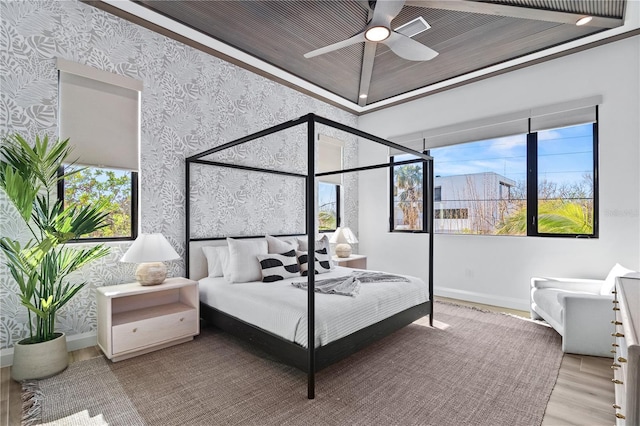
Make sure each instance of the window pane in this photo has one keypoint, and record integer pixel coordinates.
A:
(94, 184)
(565, 180)
(408, 204)
(482, 187)
(327, 206)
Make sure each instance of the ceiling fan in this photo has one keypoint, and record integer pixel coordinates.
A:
(378, 30)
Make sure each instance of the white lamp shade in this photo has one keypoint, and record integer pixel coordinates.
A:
(343, 235)
(150, 248)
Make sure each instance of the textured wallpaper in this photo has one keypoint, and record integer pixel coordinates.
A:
(190, 102)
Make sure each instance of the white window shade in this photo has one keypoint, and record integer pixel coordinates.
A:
(542, 118)
(566, 114)
(100, 113)
(329, 159)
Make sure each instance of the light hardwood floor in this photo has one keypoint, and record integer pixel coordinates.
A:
(582, 396)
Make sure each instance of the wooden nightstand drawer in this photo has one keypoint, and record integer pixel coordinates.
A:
(146, 332)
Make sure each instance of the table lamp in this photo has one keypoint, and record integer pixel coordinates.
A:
(150, 250)
(343, 237)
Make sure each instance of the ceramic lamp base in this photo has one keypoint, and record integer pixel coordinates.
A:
(151, 273)
(343, 250)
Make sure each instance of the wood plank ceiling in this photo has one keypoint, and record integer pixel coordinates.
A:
(468, 35)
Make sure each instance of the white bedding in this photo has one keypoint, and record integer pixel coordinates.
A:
(281, 309)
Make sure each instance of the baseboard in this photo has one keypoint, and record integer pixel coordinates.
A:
(74, 342)
(486, 299)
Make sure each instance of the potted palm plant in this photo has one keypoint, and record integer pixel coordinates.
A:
(29, 175)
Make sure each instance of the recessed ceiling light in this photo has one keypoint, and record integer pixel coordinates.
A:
(584, 20)
(377, 33)
(363, 96)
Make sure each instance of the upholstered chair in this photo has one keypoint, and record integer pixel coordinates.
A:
(579, 309)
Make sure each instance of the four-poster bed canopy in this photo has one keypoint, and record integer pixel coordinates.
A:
(310, 358)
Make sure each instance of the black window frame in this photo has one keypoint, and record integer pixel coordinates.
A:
(531, 195)
(532, 188)
(425, 203)
(338, 206)
(134, 210)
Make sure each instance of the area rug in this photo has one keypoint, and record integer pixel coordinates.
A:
(471, 368)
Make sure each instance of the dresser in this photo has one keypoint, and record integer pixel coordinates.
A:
(626, 360)
(135, 319)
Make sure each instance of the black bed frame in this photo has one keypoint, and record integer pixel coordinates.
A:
(312, 359)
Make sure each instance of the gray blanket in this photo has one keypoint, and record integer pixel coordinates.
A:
(350, 285)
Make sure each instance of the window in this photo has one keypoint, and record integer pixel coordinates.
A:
(117, 187)
(565, 182)
(328, 206)
(99, 112)
(408, 204)
(482, 179)
(437, 193)
(485, 188)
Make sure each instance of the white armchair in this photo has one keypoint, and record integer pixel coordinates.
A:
(579, 309)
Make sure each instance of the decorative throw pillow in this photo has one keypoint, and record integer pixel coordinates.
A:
(323, 242)
(322, 265)
(243, 263)
(276, 267)
(617, 271)
(217, 260)
(277, 245)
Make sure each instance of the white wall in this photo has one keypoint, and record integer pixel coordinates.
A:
(497, 269)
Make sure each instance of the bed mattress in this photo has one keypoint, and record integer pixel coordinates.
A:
(281, 308)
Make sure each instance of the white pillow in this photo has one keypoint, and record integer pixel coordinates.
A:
(323, 262)
(276, 267)
(217, 260)
(243, 260)
(617, 271)
(276, 245)
(323, 242)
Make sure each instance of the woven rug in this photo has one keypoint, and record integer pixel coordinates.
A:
(471, 368)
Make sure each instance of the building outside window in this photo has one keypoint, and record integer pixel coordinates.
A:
(489, 180)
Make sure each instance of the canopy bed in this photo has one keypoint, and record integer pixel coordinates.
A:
(273, 315)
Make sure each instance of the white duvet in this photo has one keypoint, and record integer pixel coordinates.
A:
(281, 308)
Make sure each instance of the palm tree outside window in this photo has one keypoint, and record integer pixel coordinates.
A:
(408, 206)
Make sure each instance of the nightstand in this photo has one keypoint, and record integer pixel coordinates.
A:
(358, 261)
(135, 319)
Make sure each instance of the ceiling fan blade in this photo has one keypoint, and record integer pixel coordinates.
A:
(358, 38)
(384, 12)
(409, 49)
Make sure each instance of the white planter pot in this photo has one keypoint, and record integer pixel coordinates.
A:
(39, 360)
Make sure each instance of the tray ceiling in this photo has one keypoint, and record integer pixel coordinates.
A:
(470, 37)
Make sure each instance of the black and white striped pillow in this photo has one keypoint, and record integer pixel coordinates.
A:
(276, 267)
(323, 261)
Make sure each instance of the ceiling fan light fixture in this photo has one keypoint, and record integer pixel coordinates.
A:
(378, 33)
(584, 20)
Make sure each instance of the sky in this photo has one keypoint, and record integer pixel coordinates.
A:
(326, 193)
(564, 156)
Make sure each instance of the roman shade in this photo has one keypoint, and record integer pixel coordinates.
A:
(563, 114)
(100, 113)
(329, 159)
